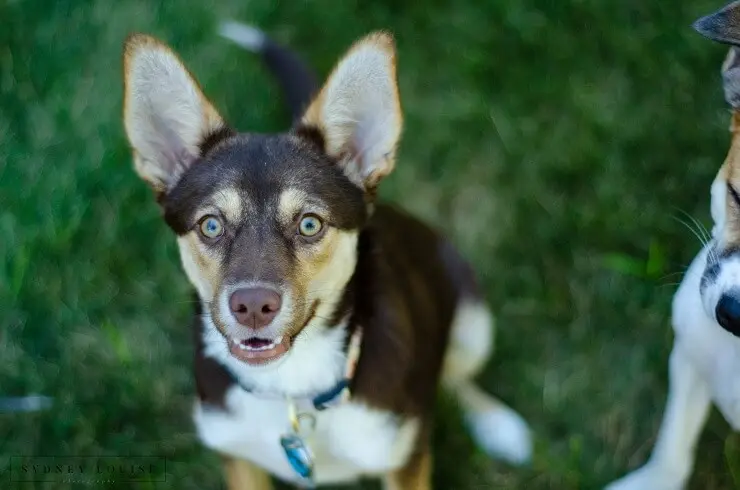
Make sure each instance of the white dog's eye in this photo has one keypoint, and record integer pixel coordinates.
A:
(310, 226)
(211, 227)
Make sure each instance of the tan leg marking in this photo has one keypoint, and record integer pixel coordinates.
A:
(243, 475)
(416, 475)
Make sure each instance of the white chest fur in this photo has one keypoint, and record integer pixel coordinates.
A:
(726, 386)
(717, 358)
(349, 441)
(714, 352)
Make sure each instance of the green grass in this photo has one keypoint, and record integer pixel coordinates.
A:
(558, 143)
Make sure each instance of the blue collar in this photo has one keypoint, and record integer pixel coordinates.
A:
(338, 393)
(322, 401)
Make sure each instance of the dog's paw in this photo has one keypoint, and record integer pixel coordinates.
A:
(503, 434)
(649, 477)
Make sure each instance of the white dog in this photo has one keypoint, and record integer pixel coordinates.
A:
(705, 360)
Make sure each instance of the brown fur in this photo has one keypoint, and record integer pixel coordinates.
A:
(416, 475)
(243, 475)
(205, 272)
(730, 172)
(388, 273)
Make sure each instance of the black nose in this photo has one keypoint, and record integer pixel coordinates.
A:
(728, 314)
(255, 307)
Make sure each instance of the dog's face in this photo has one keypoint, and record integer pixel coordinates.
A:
(267, 229)
(720, 283)
(267, 225)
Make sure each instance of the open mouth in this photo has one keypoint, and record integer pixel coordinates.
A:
(256, 350)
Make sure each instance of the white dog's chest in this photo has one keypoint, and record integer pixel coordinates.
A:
(717, 357)
(714, 352)
(725, 383)
(349, 441)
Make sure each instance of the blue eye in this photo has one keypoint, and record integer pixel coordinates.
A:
(211, 227)
(309, 226)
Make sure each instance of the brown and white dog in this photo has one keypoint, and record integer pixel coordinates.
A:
(326, 320)
(705, 360)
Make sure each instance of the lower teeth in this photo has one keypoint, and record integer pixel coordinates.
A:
(264, 347)
(243, 346)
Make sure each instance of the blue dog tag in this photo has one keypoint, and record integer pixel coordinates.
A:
(298, 455)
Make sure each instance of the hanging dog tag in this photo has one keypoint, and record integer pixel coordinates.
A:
(295, 447)
(298, 456)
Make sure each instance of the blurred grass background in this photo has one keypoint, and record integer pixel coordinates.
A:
(563, 145)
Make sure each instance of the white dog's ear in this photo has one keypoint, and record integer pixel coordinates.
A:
(358, 111)
(723, 25)
(166, 115)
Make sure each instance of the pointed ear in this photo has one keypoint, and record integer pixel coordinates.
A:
(358, 111)
(166, 115)
(723, 25)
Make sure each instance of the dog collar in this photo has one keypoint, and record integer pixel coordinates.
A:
(296, 441)
(337, 394)
(341, 392)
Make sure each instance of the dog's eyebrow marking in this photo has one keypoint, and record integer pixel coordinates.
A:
(230, 202)
(292, 201)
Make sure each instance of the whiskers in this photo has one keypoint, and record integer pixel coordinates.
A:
(695, 227)
(673, 279)
(698, 230)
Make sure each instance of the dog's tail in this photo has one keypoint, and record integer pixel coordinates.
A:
(496, 427)
(297, 79)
